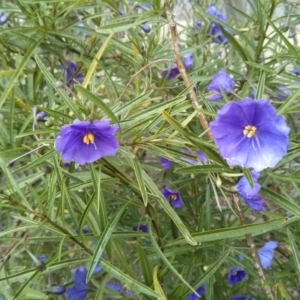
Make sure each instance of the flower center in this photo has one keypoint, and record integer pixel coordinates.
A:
(249, 131)
(173, 197)
(89, 138)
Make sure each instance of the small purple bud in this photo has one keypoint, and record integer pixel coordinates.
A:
(58, 289)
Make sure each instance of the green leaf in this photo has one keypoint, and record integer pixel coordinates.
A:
(236, 232)
(168, 209)
(295, 253)
(139, 177)
(204, 169)
(145, 265)
(157, 287)
(105, 236)
(167, 262)
(124, 278)
(281, 201)
(18, 71)
(60, 91)
(97, 101)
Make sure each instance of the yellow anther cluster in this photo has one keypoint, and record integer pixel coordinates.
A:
(89, 138)
(249, 131)
(173, 197)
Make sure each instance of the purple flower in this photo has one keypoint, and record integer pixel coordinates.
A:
(166, 163)
(3, 18)
(215, 30)
(72, 73)
(295, 71)
(41, 116)
(79, 290)
(250, 134)
(146, 28)
(84, 231)
(173, 72)
(42, 258)
(221, 82)
(284, 92)
(236, 276)
(199, 25)
(119, 288)
(266, 254)
(173, 196)
(201, 156)
(200, 290)
(241, 298)
(141, 227)
(58, 289)
(250, 194)
(85, 142)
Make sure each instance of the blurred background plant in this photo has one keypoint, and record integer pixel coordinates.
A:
(161, 219)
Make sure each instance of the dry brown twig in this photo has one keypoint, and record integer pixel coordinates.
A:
(182, 70)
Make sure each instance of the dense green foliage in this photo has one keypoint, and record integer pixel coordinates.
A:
(45, 203)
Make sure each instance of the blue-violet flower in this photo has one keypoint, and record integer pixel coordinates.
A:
(241, 298)
(200, 155)
(266, 254)
(166, 163)
(72, 73)
(119, 288)
(173, 196)
(215, 30)
(221, 82)
(3, 18)
(173, 72)
(200, 290)
(79, 290)
(85, 142)
(250, 194)
(58, 289)
(250, 134)
(141, 227)
(283, 92)
(236, 276)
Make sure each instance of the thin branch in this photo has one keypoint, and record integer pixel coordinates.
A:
(182, 70)
(253, 250)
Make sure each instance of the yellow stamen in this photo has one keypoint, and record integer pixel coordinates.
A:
(89, 138)
(249, 131)
(173, 197)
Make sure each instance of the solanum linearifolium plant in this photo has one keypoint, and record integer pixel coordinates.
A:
(149, 150)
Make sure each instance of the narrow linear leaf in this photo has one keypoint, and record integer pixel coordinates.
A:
(157, 287)
(60, 91)
(18, 71)
(295, 253)
(281, 201)
(145, 265)
(166, 261)
(168, 209)
(118, 274)
(209, 273)
(97, 101)
(141, 181)
(94, 64)
(236, 232)
(105, 236)
(204, 169)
